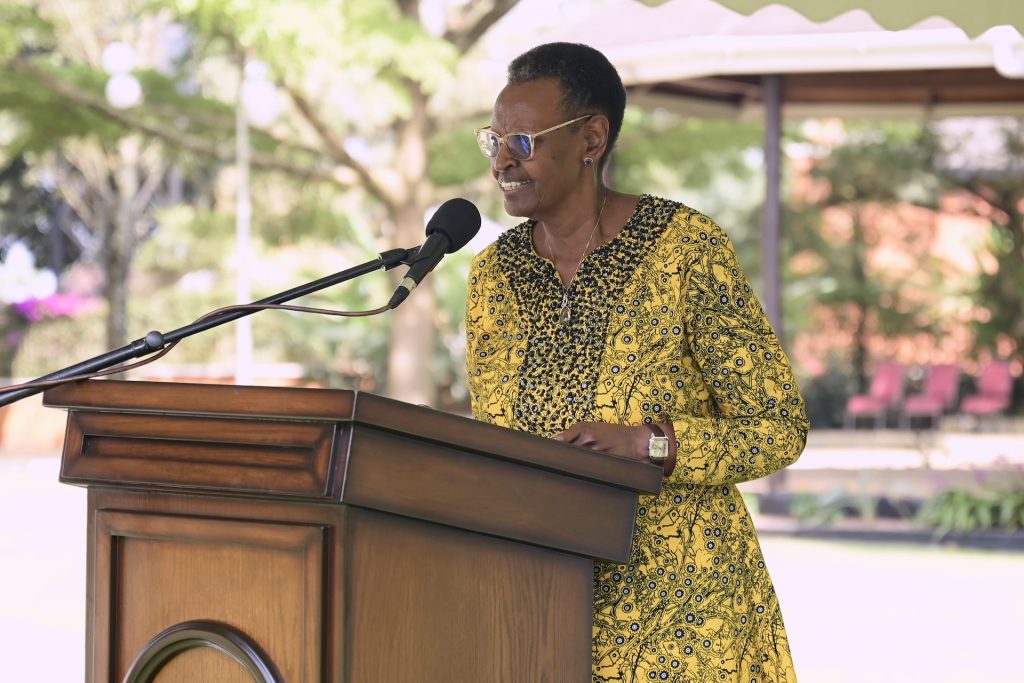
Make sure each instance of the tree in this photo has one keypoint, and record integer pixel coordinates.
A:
(373, 109)
(107, 175)
(35, 216)
(985, 159)
(380, 49)
(358, 77)
(706, 163)
(37, 243)
(860, 181)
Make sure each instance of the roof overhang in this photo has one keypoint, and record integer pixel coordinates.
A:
(928, 72)
(701, 58)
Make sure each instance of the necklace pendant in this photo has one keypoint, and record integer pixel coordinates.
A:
(565, 313)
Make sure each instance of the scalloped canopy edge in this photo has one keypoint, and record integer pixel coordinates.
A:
(973, 17)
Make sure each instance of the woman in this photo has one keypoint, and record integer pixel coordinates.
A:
(625, 324)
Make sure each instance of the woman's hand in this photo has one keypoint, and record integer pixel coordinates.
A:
(626, 440)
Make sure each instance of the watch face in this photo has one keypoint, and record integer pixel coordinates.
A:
(657, 449)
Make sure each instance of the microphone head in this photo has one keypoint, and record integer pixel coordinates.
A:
(458, 220)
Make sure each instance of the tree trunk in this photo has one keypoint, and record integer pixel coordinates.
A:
(115, 287)
(860, 277)
(119, 244)
(13, 328)
(410, 359)
(411, 354)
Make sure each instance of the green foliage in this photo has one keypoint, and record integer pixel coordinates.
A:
(354, 78)
(825, 396)
(339, 352)
(1002, 292)
(348, 352)
(288, 212)
(659, 150)
(26, 216)
(826, 509)
(21, 28)
(280, 31)
(394, 43)
(993, 176)
(881, 162)
(455, 158)
(963, 511)
(188, 241)
(752, 502)
(57, 342)
(297, 39)
(43, 116)
(876, 166)
(186, 277)
(710, 164)
(449, 356)
(814, 510)
(176, 307)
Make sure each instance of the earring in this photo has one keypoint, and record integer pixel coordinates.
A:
(587, 161)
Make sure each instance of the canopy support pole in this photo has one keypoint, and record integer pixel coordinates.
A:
(771, 225)
(771, 217)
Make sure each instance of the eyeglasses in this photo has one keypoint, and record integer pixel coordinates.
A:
(519, 145)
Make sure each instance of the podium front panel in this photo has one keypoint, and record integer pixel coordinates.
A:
(261, 579)
(428, 603)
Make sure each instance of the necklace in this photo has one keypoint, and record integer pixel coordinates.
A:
(564, 312)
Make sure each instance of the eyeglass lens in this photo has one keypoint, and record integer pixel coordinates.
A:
(519, 145)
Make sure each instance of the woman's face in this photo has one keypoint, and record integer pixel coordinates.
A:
(535, 188)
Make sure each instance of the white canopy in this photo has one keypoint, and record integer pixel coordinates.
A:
(704, 58)
(973, 16)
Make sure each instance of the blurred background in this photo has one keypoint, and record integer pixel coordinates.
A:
(161, 159)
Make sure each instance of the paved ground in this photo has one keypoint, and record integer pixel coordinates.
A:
(42, 576)
(859, 613)
(855, 612)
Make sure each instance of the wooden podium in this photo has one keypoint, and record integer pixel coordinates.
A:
(304, 535)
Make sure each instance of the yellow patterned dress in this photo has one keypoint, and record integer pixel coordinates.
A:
(664, 327)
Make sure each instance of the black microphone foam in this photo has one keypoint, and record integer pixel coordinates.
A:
(458, 220)
(451, 227)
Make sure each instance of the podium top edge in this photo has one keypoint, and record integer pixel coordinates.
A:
(189, 398)
(356, 407)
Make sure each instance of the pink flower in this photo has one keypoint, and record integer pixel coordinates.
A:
(52, 306)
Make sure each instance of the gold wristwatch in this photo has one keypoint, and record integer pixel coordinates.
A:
(657, 447)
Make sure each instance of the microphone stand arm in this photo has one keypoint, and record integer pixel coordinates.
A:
(155, 341)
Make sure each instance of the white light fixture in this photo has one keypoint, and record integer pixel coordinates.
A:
(259, 97)
(118, 58)
(123, 91)
(261, 103)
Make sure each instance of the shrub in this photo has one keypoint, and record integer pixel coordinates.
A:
(965, 511)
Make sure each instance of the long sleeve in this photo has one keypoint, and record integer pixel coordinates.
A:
(758, 423)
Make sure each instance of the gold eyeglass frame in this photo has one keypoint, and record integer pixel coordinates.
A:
(532, 137)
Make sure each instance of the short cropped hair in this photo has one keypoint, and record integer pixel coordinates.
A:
(588, 81)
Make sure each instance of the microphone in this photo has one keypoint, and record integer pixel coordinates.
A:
(451, 227)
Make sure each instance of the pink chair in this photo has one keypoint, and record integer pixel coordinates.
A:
(884, 394)
(937, 397)
(994, 391)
